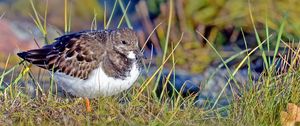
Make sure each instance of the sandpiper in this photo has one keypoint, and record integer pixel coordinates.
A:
(90, 64)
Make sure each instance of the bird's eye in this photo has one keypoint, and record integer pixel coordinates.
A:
(124, 42)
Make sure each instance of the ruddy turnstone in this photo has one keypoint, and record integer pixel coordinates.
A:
(91, 63)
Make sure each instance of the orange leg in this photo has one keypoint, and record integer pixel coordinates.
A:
(87, 105)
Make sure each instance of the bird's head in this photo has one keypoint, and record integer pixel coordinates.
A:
(125, 42)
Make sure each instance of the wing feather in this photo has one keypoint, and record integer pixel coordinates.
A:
(75, 54)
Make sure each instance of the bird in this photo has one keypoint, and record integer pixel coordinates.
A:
(91, 63)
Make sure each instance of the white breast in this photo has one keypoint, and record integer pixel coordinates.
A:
(98, 83)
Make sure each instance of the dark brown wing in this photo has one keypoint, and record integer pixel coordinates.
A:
(76, 54)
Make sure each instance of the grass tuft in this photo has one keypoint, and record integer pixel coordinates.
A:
(259, 102)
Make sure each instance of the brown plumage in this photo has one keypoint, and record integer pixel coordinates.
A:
(77, 54)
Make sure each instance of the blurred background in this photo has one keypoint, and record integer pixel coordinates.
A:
(222, 22)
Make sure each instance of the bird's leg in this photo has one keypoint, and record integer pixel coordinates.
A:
(87, 104)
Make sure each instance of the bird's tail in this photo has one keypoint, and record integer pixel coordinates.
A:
(37, 56)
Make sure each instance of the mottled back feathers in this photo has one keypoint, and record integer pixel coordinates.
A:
(78, 54)
(91, 63)
(74, 54)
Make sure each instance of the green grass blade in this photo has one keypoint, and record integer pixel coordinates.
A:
(146, 83)
(9, 71)
(37, 19)
(249, 62)
(221, 58)
(233, 74)
(124, 15)
(258, 40)
(94, 21)
(278, 40)
(70, 17)
(166, 41)
(6, 63)
(66, 15)
(45, 16)
(231, 58)
(111, 15)
(268, 40)
(104, 15)
(147, 40)
(124, 11)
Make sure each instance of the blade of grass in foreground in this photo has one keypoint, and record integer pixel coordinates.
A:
(164, 88)
(45, 16)
(173, 83)
(146, 83)
(124, 15)
(6, 63)
(278, 41)
(10, 70)
(227, 61)
(66, 16)
(111, 15)
(234, 72)
(70, 18)
(124, 11)
(147, 40)
(37, 21)
(268, 40)
(15, 81)
(51, 84)
(94, 22)
(104, 15)
(223, 61)
(166, 43)
(264, 56)
(249, 61)
(21, 74)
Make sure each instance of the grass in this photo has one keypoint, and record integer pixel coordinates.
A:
(259, 103)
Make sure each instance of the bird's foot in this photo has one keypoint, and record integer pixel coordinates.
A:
(88, 105)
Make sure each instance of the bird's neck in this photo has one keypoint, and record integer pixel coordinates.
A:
(117, 65)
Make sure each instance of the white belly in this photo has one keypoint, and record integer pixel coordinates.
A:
(98, 83)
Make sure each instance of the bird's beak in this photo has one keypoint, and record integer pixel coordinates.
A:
(140, 55)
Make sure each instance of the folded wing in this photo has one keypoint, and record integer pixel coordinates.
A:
(74, 54)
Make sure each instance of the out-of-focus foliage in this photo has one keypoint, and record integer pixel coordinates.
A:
(154, 5)
(82, 13)
(220, 22)
(227, 13)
